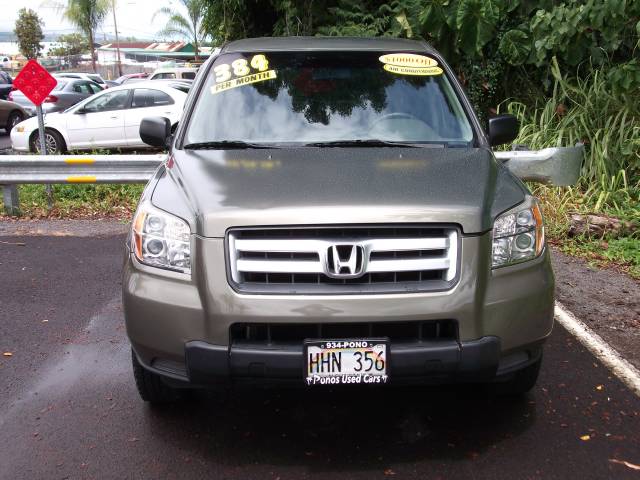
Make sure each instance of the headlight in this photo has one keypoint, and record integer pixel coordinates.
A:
(518, 236)
(161, 240)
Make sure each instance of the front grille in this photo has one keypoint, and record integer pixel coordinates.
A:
(343, 260)
(296, 333)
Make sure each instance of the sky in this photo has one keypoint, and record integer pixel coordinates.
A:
(134, 17)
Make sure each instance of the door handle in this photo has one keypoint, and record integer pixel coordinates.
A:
(115, 117)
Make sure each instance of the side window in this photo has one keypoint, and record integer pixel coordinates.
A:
(164, 75)
(190, 75)
(108, 101)
(95, 88)
(83, 87)
(147, 97)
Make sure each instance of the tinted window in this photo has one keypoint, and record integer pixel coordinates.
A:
(160, 76)
(95, 88)
(183, 87)
(83, 88)
(108, 101)
(191, 75)
(146, 97)
(308, 97)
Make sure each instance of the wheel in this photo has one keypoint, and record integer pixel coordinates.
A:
(151, 387)
(54, 141)
(522, 381)
(14, 119)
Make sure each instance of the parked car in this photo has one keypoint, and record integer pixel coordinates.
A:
(6, 85)
(332, 213)
(131, 77)
(109, 119)
(172, 73)
(67, 93)
(94, 77)
(5, 62)
(11, 114)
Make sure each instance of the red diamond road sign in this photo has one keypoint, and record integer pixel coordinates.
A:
(35, 82)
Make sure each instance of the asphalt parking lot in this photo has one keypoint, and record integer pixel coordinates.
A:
(5, 140)
(69, 408)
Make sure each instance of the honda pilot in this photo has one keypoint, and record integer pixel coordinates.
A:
(331, 213)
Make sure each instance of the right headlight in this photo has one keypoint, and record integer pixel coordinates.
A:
(160, 239)
(518, 236)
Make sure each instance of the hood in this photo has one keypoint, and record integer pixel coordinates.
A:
(219, 189)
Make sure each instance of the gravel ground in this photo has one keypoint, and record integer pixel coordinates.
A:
(606, 300)
(63, 228)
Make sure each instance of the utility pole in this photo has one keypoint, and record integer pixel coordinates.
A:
(115, 25)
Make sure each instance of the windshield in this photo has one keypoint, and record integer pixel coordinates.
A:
(319, 97)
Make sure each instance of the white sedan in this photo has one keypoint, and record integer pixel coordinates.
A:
(108, 119)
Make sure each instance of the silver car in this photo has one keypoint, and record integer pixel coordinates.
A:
(11, 114)
(67, 93)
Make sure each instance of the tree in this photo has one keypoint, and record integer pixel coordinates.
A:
(28, 29)
(87, 15)
(70, 44)
(189, 26)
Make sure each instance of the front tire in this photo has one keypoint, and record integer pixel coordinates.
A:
(54, 142)
(14, 119)
(151, 387)
(522, 382)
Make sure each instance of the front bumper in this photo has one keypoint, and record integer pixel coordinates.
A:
(179, 325)
(426, 363)
(19, 140)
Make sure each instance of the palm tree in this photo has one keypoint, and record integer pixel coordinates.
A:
(87, 15)
(189, 26)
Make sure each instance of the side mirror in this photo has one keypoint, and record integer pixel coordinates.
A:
(503, 129)
(81, 111)
(155, 131)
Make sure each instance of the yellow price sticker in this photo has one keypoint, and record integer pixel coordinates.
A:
(239, 72)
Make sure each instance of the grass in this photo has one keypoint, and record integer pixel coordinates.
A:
(587, 110)
(619, 251)
(80, 201)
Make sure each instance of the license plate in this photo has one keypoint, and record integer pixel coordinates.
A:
(349, 361)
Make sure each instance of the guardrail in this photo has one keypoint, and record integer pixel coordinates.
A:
(559, 166)
(16, 169)
(19, 169)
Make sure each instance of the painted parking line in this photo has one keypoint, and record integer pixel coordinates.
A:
(625, 371)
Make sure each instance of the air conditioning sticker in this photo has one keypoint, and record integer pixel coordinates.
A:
(410, 64)
(241, 72)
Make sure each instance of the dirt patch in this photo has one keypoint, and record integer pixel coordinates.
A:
(606, 300)
(63, 228)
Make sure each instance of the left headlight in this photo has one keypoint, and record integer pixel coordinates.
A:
(518, 236)
(161, 240)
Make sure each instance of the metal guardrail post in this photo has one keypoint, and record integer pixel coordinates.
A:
(11, 200)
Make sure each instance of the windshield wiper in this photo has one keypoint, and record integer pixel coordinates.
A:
(226, 145)
(372, 143)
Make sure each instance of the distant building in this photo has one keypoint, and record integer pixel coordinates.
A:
(149, 51)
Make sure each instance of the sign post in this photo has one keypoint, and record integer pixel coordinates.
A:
(36, 84)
